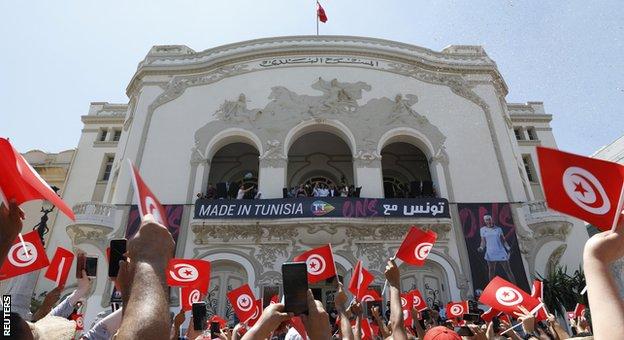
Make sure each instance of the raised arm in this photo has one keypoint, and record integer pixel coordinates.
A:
(340, 301)
(396, 312)
(606, 305)
(145, 293)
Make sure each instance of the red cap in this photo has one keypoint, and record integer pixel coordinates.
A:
(441, 333)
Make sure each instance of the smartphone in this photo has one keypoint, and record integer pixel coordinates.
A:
(295, 280)
(471, 317)
(464, 331)
(117, 251)
(215, 330)
(80, 264)
(91, 266)
(199, 316)
(496, 324)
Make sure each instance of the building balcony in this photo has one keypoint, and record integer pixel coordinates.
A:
(94, 221)
(545, 222)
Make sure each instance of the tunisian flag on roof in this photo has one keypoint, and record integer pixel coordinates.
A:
(320, 12)
(588, 188)
(147, 201)
(20, 182)
(320, 262)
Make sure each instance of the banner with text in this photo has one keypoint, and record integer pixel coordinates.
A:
(322, 207)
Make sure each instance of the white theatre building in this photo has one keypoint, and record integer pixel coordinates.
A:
(390, 119)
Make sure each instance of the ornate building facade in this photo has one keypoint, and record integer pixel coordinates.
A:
(398, 122)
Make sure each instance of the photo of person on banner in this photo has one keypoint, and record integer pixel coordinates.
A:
(497, 250)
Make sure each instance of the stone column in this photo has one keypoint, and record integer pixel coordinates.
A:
(272, 176)
(368, 174)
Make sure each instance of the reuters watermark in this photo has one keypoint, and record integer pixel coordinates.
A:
(6, 310)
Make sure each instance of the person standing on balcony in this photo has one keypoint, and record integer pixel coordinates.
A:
(497, 250)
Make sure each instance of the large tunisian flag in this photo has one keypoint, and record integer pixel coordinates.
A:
(588, 188)
(20, 182)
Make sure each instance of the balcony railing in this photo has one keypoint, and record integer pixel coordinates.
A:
(95, 213)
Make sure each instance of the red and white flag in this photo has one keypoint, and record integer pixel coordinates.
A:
(243, 301)
(588, 188)
(25, 255)
(188, 273)
(371, 295)
(79, 319)
(504, 296)
(360, 279)
(190, 295)
(256, 315)
(407, 302)
(147, 201)
(20, 182)
(537, 291)
(417, 301)
(416, 246)
(320, 13)
(59, 267)
(456, 309)
(320, 262)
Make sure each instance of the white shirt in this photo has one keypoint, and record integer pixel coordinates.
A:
(240, 194)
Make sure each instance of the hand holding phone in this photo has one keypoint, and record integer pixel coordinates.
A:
(295, 281)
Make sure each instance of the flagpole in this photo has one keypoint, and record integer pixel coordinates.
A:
(317, 19)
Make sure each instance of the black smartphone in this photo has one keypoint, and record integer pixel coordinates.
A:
(91, 266)
(464, 331)
(471, 317)
(215, 330)
(295, 279)
(496, 324)
(80, 265)
(117, 251)
(199, 316)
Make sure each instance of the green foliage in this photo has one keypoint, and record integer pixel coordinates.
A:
(563, 291)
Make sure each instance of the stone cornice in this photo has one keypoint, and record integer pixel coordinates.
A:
(90, 119)
(180, 60)
(528, 118)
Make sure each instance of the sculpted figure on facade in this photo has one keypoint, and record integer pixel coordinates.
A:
(340, 97)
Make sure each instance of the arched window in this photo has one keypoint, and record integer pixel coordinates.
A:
(319, 156)
(233, 165)
(405, 171)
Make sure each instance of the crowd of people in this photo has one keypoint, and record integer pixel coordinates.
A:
(145, 295)
(242, 190)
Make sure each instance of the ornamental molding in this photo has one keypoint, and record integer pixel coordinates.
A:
(555, 257)
(90, 234)
(176, 56)
(335, 107)
(267, 254)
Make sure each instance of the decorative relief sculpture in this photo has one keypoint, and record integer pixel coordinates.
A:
(273, 156)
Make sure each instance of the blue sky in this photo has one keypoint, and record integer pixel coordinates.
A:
(58, 56)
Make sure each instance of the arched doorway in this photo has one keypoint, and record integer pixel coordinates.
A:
(405, 171)
(319, 156)
(232, 165)
(224, 276)
(431, 280)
